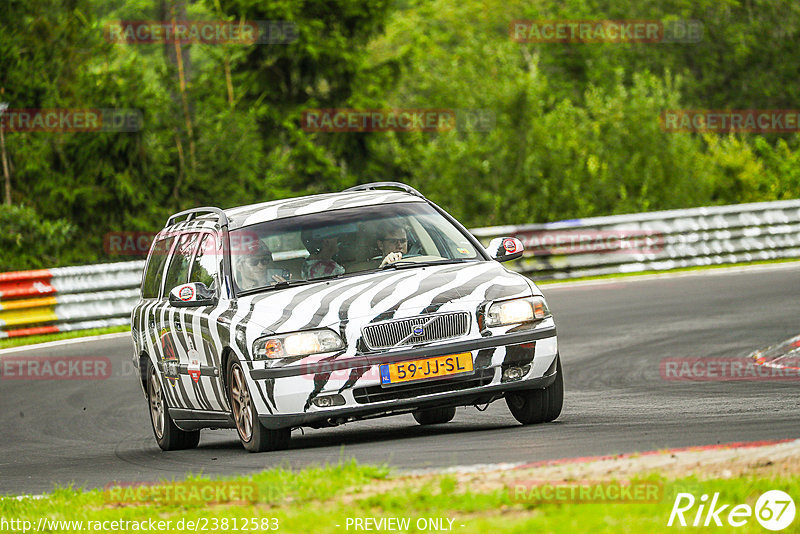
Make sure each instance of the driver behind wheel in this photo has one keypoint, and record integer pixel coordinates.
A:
(392, 242)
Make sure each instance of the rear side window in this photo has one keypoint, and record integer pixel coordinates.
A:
(178, 270)
(155, 268)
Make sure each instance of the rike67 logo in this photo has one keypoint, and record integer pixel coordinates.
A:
(774, 510)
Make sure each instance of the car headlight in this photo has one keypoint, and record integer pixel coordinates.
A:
(517, 311)
(297, 344)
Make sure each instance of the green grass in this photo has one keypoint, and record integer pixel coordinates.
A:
(30, 340)
(316, 500)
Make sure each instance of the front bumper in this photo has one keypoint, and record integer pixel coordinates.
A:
(292, 389)
(468, 397)
(368, 360)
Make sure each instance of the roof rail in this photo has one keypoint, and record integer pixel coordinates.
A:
(376, 185)
(192, 214)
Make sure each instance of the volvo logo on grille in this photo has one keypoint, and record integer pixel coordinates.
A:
(416, 330)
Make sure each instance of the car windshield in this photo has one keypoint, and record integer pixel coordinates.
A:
(299, 249)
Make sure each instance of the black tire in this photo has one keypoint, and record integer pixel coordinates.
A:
(254, 436)
(435, 416)
(168, 436)
(534, 406)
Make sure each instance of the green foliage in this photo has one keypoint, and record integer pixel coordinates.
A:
(28, 242)
(575, 131)
(548, 157)
(325, 67)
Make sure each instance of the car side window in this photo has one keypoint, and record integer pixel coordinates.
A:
(178, 270)
(206, 264)
(155, 268)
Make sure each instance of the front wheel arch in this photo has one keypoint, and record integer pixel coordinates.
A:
(144, 361)
(534, 406)
(227, 354)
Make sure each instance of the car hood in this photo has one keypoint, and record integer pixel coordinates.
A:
(380, 296)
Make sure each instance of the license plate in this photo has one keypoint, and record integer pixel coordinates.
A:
(453, 364)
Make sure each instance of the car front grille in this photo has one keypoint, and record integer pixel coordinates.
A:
(398, 333)
(372, 394)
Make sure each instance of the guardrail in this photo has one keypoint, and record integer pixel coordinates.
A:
(68, 298)
(656, 241)
(93, 296)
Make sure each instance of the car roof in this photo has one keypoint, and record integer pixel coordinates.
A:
(291, 207)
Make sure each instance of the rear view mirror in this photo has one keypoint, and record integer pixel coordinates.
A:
(192, 295)
(505, 248)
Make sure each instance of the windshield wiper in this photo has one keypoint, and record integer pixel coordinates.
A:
(328, 277)
(289, 283)
(405, 264)
(276, 285)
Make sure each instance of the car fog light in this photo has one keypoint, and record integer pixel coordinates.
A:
(515, 373)
(328, 400)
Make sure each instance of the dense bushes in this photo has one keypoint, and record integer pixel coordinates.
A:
(28, 242)
(578, 130)
(575, 134)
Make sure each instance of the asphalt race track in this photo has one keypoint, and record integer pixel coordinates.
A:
(613, 336)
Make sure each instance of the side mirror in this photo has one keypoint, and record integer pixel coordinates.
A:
(192, 295)
(505, 248)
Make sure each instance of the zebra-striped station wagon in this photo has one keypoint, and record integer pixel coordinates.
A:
(326, 309)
